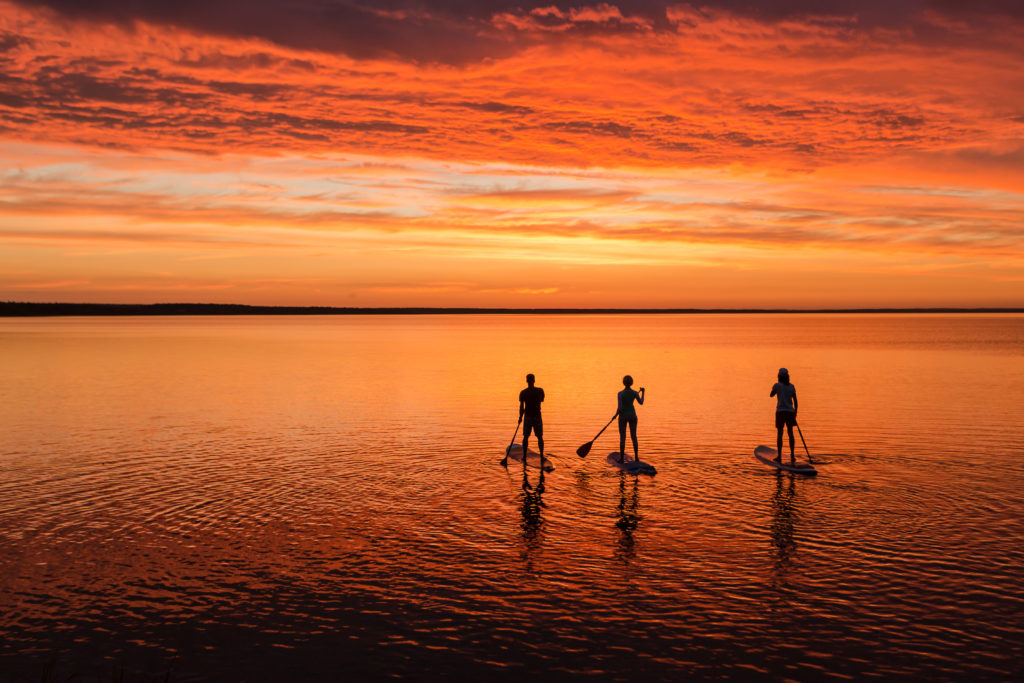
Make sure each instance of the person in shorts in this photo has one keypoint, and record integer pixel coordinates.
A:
(530, 399)
(627, 416)
(785, 413)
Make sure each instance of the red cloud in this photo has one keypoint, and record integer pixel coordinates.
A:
(599, 126)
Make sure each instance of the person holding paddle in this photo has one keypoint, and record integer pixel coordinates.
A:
(785, 413)
(530, 399)
(627, 416)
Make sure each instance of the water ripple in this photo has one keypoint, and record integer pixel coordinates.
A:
(235, 528)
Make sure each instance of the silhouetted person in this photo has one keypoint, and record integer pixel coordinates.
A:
(785, 413)
(530, 399)
(627, 416)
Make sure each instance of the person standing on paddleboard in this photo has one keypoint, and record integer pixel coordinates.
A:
(530, 399)
(785, 413)
(627, 416)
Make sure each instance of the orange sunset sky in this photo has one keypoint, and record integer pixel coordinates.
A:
(446, 153)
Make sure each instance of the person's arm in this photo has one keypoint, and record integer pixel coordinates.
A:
(774, 389)
(640, 396)
(794, 403)
(541, 395)
(522, 406)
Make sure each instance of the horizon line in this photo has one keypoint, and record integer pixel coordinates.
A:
(53, 309)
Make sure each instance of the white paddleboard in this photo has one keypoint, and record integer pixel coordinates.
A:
(629, 465)
(768, 455)
(515, 452)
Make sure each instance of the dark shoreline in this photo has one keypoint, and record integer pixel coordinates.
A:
(24, 309)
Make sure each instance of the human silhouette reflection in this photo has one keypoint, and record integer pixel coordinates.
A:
(783, 519)
(532, 525)
(628, 518)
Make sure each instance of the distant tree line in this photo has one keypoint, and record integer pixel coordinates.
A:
(24, 309)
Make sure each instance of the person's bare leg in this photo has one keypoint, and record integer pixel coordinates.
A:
(792, 446)
(622, 440)
(778, 444)
(632, 435)
(540, 446)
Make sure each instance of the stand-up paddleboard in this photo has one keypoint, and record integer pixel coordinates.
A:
(515, 452)
(768, 455)
(629, 465)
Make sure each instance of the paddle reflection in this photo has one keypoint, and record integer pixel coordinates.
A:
(782, 524)
(583, 481)
(532, 525)
(628, 518)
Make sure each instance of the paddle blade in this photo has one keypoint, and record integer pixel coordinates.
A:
(584, 449)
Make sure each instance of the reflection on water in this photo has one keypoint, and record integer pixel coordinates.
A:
(533, 521)
(628, 518)
(783, 521)
(582, 480)
(306, 499)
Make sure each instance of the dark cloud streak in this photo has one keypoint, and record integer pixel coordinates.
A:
(457, 31)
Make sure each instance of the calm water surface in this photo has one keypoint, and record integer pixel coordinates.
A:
(319, 498)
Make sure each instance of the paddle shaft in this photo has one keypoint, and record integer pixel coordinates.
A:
(516, 433)
(585, 448)
(804, 443)
(504, 461)
(605, 427)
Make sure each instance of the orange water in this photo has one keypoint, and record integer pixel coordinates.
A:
(260, 498)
